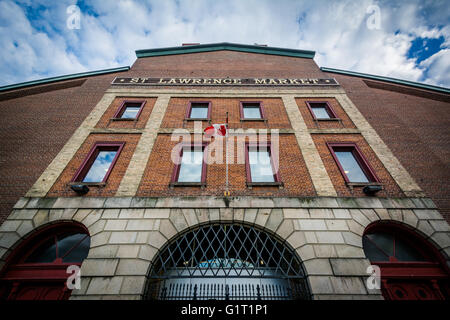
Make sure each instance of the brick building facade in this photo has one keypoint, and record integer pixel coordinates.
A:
(140, 231)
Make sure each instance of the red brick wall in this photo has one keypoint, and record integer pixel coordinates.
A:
(390, 188)
(293, 173)
(415, 127)
(105, 120)
(328, 124)
(61, 187)
(274, 111)
(35, 124)
(225, 64)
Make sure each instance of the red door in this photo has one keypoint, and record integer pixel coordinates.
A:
(39, 291)
(412, 290)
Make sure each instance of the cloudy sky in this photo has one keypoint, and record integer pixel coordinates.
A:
(402, 39)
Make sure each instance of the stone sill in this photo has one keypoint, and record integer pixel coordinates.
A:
(352, 185)
(124, 119)
(256, 119)
(329, 119)
(363, 184)
(250, 185)
(89, 184)
(187, 184)
(118, 130)
(191, 130)
(335, 131)
(197, 119)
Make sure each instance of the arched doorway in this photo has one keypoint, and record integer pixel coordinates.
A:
(37, 268)
(411, 268)
(227, 261)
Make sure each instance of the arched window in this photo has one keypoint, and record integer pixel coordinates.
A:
(411, 268)
(68, 246)
(227, 261)
(391, 246)
(37, 268)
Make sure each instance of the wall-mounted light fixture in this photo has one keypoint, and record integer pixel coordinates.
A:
(371, 190)
(80, 188)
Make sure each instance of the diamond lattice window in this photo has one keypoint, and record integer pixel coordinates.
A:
(227, 261)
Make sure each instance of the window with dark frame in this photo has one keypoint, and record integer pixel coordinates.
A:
(251, 111)
(69, 247)
(98, 165)
(129, 110)
(199, 110)
(321, 110)
(191, 167)
(390, 246)
(351, 163)
(259, 164)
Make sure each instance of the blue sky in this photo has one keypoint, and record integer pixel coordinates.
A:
(401, 39)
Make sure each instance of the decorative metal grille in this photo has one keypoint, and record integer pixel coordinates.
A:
(227, 261)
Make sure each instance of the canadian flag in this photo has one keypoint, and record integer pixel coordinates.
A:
(217, 130)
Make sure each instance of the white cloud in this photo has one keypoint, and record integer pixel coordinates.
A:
(27, 53)
(37, 44)
(438, 67)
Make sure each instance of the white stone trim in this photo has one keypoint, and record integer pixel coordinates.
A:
(132, 178)
(319, 176)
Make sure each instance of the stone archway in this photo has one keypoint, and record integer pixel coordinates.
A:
(227, 261)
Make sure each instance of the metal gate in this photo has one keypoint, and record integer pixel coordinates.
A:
(227, 262)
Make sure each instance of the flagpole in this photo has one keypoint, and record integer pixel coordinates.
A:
(226, 158)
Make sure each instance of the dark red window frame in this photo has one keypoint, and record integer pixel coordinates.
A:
(189, 110)
(261, 110)
(268, 145)
(92, 155)
(123, 106)
(360, 159)
(326, 104)
(176, 170)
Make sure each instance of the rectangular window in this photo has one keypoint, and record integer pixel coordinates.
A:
(351, 163)
(260, 165)
(98, 164)
(321, 110)
(350, 166)
(199, 110)
(251, 111)
(191, 167)
(129, 110)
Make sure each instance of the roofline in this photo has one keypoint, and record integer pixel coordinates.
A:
(62, 78)
(387, 79)
(225, 46)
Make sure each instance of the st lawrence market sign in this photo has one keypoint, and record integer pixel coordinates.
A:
(282, 82)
